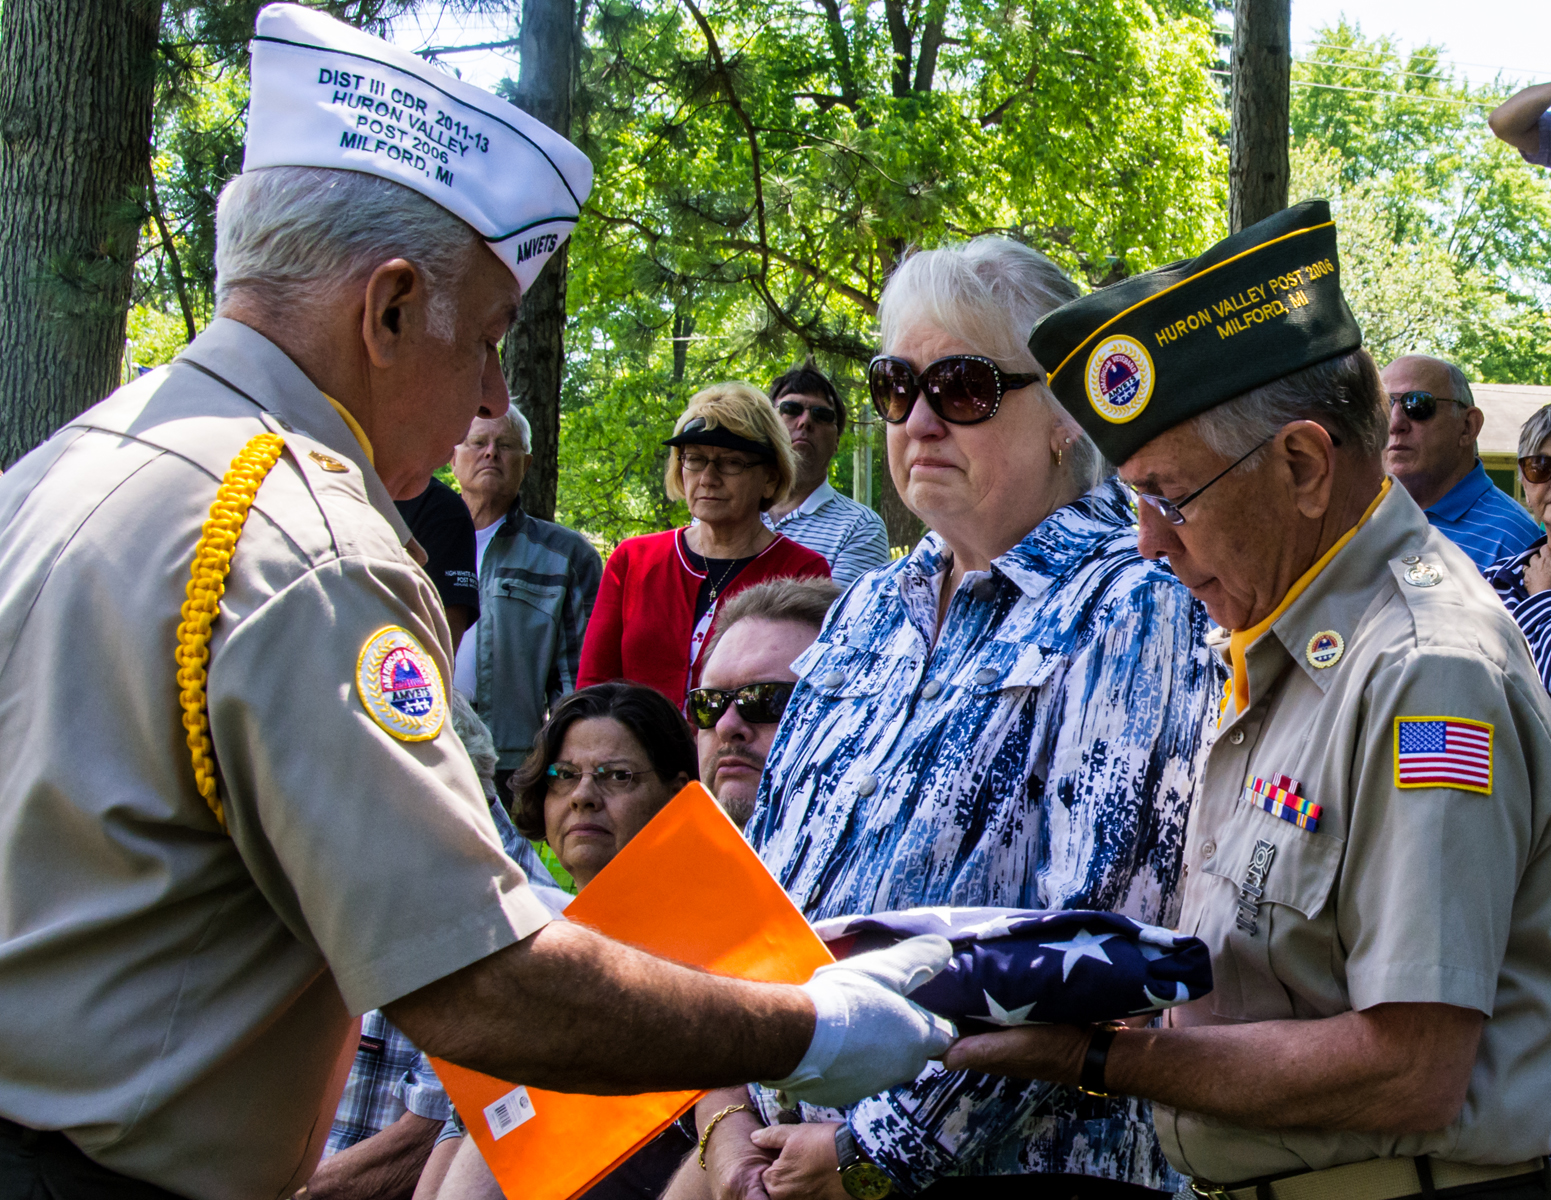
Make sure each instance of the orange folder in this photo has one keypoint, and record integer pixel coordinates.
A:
(687, 887)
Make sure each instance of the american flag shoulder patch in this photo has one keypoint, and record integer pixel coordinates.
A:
(1447, 752)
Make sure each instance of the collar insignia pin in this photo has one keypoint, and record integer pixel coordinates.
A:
(1424, 575)
(327, 463)
(1325, 649)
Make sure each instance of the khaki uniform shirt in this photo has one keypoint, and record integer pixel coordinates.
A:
(179, 1001)
(1404, 892)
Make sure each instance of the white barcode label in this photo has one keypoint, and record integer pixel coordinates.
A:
(510, 1111)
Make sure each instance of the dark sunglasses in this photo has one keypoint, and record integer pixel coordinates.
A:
(758, 704)
(821, 413)
(962, 389)
(1536, 468)
(1421, 406)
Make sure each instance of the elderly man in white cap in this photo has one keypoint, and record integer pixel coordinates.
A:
(233, 814)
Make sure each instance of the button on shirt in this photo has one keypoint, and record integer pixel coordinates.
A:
(1040, 755)
(1403, 890)
(1483, 520)
(180, 1001)
(851, 537)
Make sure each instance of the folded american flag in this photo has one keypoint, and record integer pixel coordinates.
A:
(1019, 966)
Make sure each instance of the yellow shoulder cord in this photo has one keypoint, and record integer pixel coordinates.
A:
(207, 583)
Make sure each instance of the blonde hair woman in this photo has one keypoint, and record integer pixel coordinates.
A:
(731, 459)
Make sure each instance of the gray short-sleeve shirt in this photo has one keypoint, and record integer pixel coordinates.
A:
(179, 1001)
(1396, 668)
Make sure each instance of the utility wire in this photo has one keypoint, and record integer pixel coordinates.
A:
(1331, 87)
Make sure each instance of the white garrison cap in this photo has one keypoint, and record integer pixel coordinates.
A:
(325, 94)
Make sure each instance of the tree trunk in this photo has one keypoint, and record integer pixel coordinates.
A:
(76, 92)
(534, 350)
(1262, 74)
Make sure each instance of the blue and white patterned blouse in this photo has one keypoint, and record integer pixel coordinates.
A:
(1041, 755)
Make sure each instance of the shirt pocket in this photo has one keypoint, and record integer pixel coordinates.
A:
(1257, 973)
(543, 597)
(841, 672)
(1006, 666)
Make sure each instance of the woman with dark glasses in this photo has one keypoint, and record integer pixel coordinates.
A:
(1009, 717)
(1523, 580)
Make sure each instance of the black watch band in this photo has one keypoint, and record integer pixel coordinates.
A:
(1091, 1080)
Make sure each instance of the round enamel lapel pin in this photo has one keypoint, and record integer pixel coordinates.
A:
(400, 686)
(1325, 649)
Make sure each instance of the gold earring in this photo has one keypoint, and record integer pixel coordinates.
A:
(1056, 457)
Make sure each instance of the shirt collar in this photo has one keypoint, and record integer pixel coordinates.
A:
(817, 499)
(1056, 546)
(1462, 497)
(254, 367)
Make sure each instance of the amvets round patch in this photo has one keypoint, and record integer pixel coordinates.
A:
(1325, 649)
(400, 686)
(1120, 379)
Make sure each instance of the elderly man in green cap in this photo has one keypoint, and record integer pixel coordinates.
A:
(1368, 852)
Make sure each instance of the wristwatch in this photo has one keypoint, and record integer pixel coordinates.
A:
(1091, 1080)
(858, 1176)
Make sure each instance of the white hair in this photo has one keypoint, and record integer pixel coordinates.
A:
(1343, 394)
(989, 293)
(294, 236)
(518, 422)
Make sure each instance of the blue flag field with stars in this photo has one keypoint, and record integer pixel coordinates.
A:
(1018, 966)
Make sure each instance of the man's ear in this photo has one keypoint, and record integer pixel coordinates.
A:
(1311, 461)
(395, 308)
(1474, 419)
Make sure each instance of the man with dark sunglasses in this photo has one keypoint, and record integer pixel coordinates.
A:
(1433, 425)
(849, 535)
(747, 681)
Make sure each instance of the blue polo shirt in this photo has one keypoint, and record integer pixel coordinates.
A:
(1482, 520)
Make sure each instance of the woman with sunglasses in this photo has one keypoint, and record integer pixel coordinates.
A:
(730, 460)
(1007, 717)
(1523, 580)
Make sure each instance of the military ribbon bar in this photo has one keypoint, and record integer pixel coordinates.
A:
(1279, 797)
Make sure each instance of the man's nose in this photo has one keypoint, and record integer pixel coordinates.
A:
(494, 399)
(732, 727)
(1398, 421)
(1155, 534)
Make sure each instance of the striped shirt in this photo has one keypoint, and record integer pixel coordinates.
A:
(1532, 613)
(1483, 520)
(1041, 754)
(850, 536)
(388, 1078)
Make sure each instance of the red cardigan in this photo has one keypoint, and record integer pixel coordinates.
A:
(645, 612)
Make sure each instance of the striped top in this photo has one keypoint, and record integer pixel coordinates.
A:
(1040, 754)
(1532, 613)
(850, 536)
(1482, 520)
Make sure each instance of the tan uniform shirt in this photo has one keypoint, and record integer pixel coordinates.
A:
(1403, 892)
(178, 1000)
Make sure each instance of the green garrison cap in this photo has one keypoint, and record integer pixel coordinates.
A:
(1137, 358)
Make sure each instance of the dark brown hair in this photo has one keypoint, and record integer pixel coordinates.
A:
(807, 380)
(661, 729)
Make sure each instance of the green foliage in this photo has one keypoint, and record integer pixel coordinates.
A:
(1445, 232)
(762, 167)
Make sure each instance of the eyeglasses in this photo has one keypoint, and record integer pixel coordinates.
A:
(1421, 406)
(822, 413)
(962, 389)
(758, 704)
(1536, 468)
(611, 781)
(1170, 508)
(694, 463)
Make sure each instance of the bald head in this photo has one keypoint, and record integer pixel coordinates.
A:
(1429, 454)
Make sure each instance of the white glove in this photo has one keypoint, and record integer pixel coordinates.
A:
(868, 1037)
